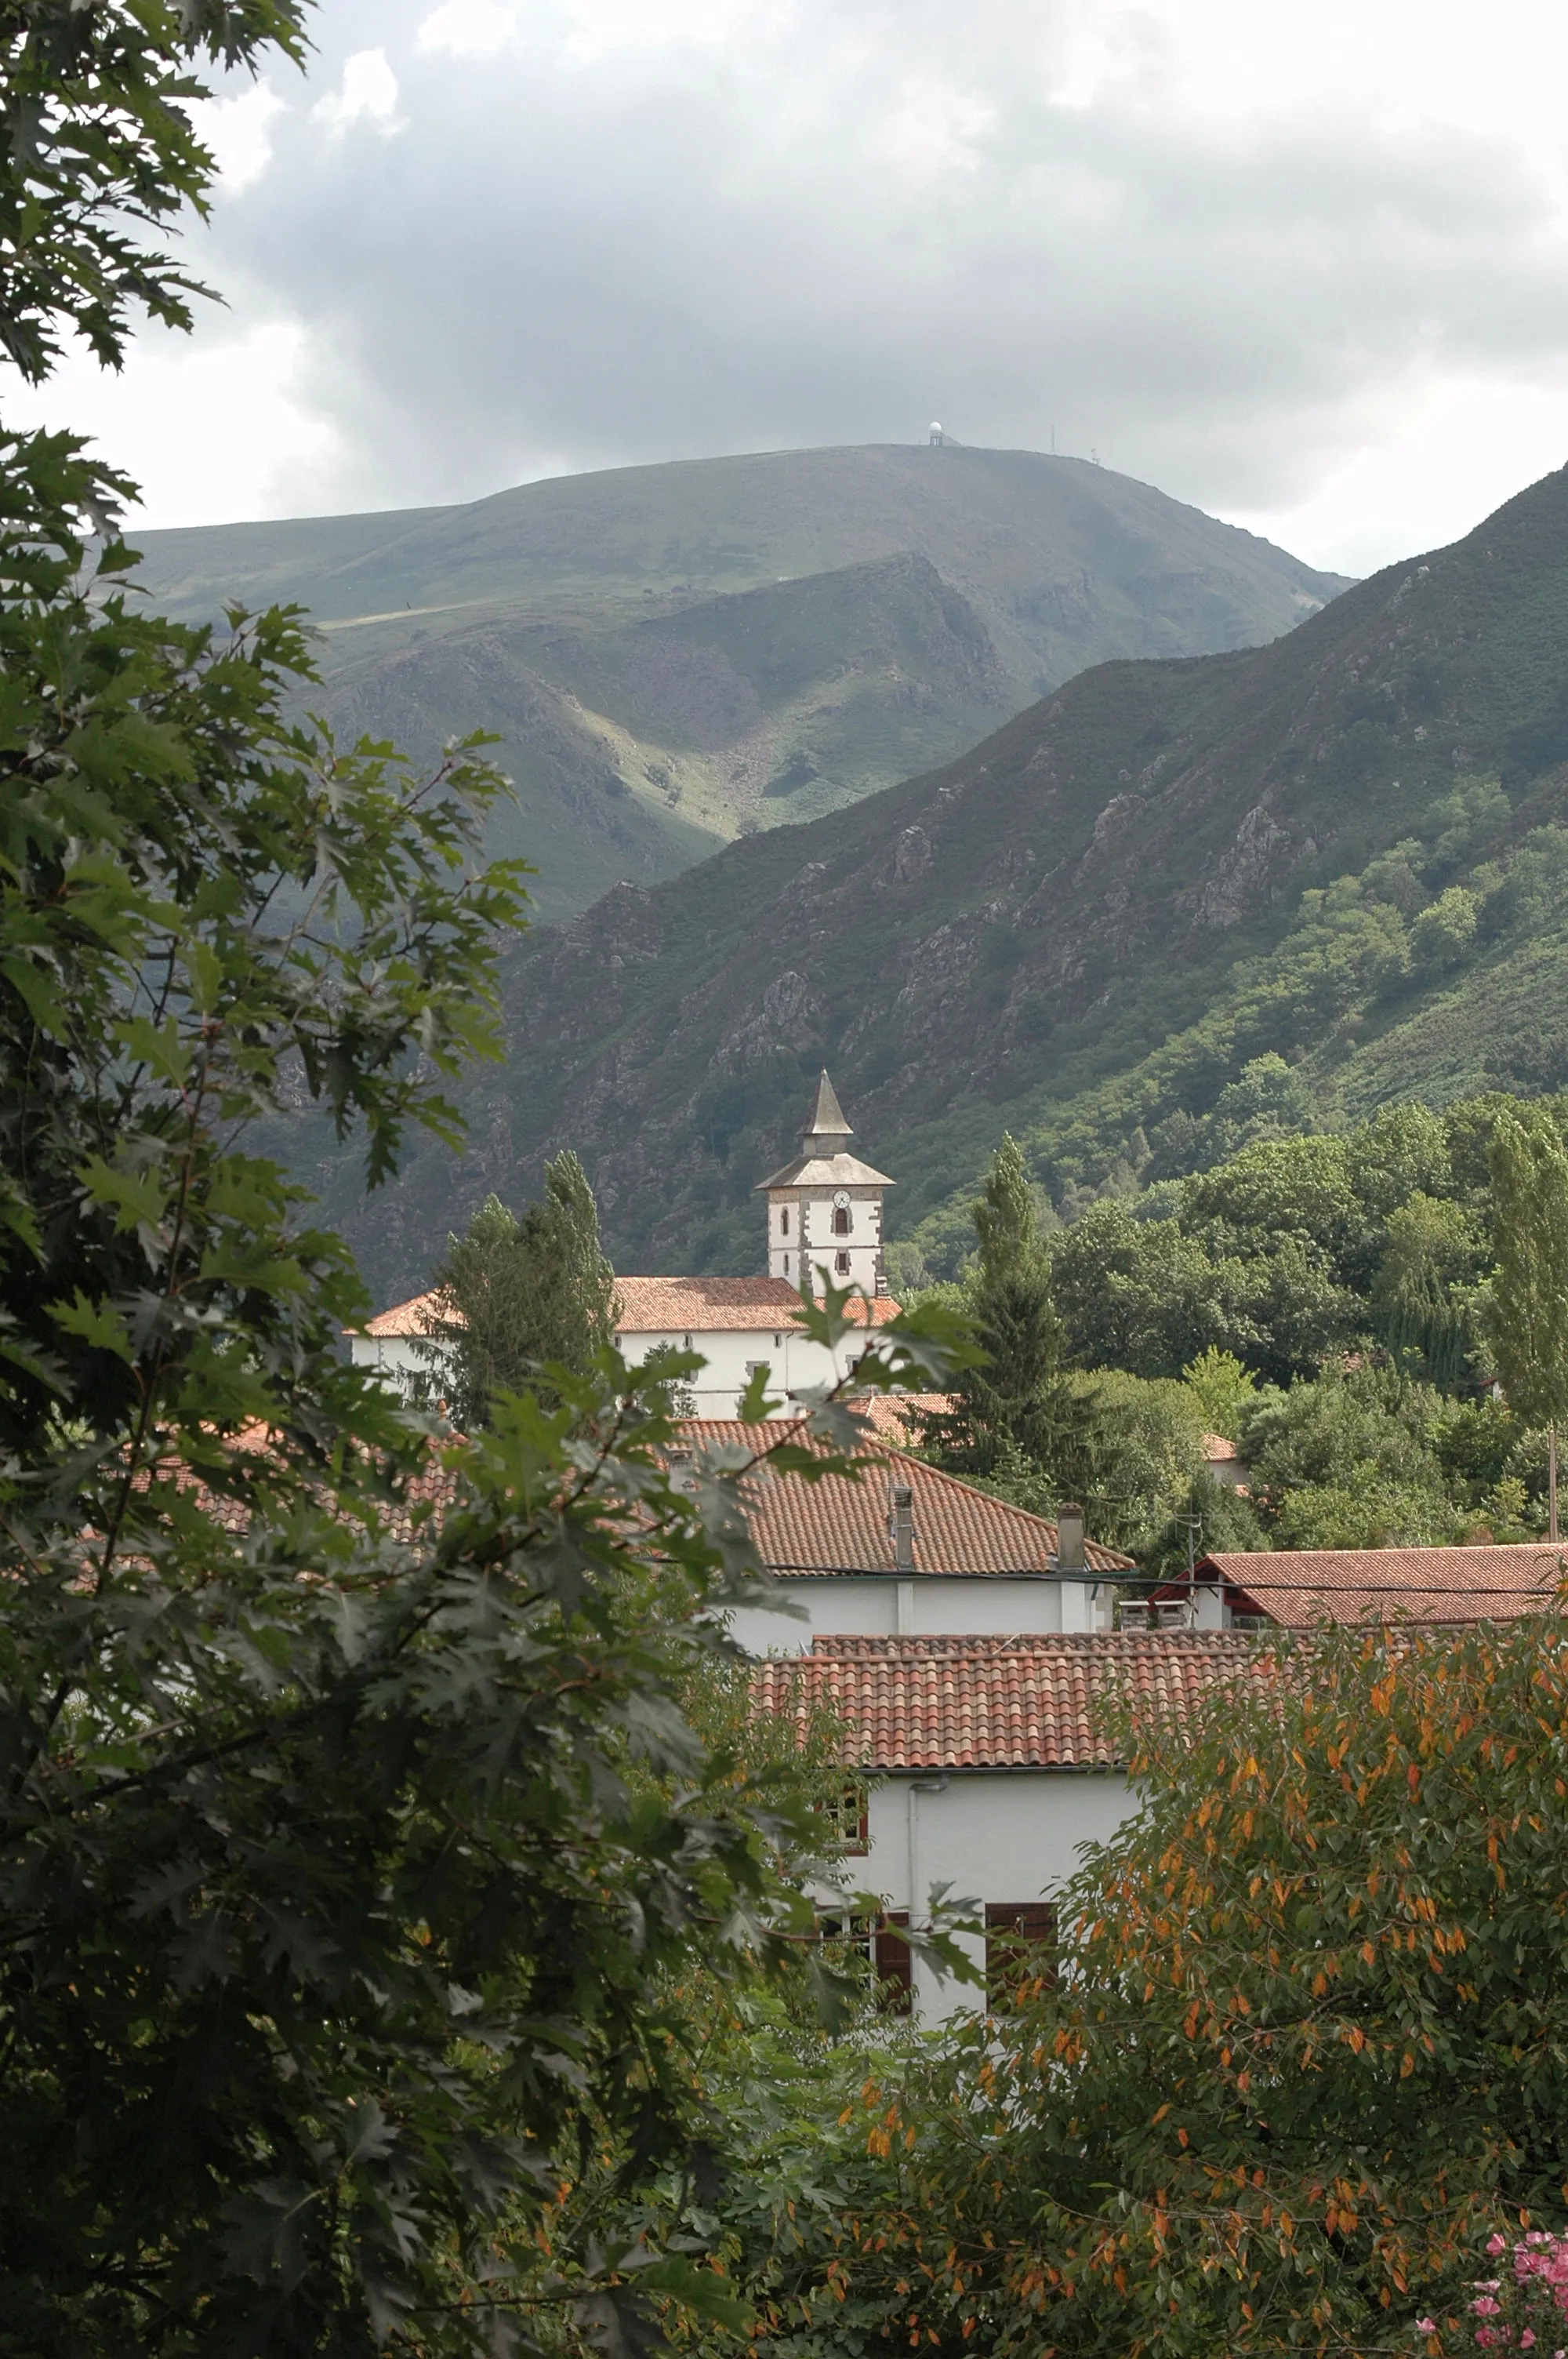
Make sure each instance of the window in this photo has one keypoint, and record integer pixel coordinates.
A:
(880, 1942)
(1020, 1950)
(841, 1265)
(841, 1220)
(786, 1265)
(846, 1817)
(762, 1368)
(784, 1220)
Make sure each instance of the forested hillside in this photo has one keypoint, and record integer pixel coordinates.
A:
(675, 655)
(1344, 849)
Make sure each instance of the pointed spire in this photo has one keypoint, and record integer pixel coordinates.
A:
(826, 1119)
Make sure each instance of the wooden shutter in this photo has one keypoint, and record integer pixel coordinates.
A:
(890, 1955)
(1021, 1950)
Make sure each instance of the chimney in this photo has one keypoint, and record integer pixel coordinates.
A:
(1070, 1539)
(902, 1528)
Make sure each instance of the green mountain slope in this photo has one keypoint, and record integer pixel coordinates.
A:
(676, 655)
(1083, 929)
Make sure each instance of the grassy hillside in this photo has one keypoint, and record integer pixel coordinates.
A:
(677, 655)
(1085, 929)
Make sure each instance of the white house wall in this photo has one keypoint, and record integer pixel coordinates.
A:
(796, 1364)
(875, 1605)
(1001, 1837)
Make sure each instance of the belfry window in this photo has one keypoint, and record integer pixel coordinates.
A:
(841, 1220)
(841, 1265)
(783, 1221)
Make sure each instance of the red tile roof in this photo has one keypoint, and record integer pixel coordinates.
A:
(410, 1318)
(896, 1417)
(1217, 1450)
(993, 1704)
(671, 1305)
(1301, 1587)
(839, 1526)
(666, 1306)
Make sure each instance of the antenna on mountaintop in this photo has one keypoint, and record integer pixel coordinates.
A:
(936, 436)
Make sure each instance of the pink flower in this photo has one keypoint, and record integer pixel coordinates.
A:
(1426, 2326)
(1487, 2307)
(1497, 2244)
(1527, 2340)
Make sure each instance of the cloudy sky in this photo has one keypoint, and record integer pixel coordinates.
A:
(1307, 268)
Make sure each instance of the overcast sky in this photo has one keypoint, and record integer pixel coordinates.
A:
(1305, 267)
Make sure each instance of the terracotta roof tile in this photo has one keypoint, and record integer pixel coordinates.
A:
(666, 1306)
(1024, 1702)
(1301, 1587)
(839, 1526)
(671, 1306)
(410, 1318)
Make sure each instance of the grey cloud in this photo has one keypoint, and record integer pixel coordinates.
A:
(744, 248)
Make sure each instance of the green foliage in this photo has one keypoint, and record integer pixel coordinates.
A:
(1223, 1388)
(98, 147)
(1350, 1462)
(1303, 2051)
(1426, 1300)
(1014, 1415)
(1143, 1454)
(1529, 1323)
(519, 1296)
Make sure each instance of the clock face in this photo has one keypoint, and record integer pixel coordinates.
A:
(840, 1201)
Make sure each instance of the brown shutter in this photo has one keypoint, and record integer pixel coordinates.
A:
(1020, 1950)
(890, 1957)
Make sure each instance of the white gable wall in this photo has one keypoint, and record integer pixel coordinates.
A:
(887, 1605)
(998, 1836)
(796, 1364)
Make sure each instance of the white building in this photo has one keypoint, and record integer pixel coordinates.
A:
(983, 1763)
(906, 1551)
(825, 1210)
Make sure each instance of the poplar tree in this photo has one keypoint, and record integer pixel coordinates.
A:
(1530, 1332)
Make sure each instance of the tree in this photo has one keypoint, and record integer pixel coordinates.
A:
(1304, 2050)
(1018, 1407)
(351, 1838)
(1530, 1318)
(517, 1296)
(1425, 1296)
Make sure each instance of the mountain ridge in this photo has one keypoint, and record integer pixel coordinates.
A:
(1019, 939)
(529, 611)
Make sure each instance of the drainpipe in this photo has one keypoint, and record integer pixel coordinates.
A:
(918, 1785)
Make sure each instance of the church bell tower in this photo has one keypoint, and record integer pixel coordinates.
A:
(825, 1210)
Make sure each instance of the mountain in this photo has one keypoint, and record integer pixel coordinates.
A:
(676, 655)
(1346, 847)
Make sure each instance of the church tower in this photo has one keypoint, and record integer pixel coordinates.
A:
(825, 1210)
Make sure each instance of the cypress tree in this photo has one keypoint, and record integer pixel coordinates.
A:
(521, 1294)
(1020, 1405)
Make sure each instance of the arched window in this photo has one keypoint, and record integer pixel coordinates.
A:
(783, 1221)
(841, 1265)
(841, 1220)
(786, 1265)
